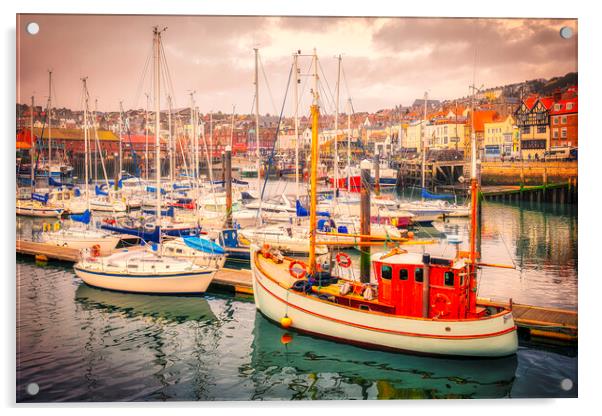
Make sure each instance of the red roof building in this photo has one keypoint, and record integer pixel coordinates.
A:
(564, 120)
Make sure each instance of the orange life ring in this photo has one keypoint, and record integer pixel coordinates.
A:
(297, 274)
(343, 260)
(95, 250)
(442, 305)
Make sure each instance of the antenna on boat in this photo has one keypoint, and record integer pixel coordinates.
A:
(257, 153)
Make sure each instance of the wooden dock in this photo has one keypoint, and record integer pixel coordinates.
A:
(554, 323)
(549, 323)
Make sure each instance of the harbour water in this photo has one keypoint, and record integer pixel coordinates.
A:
(84, 344)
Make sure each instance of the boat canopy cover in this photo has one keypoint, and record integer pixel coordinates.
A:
(154, 189)
(119, 183)
(152, 236)
(84, 218)
(303, 212)
(39, 197)
(427, 194)
(54, 182)
(99, 191)
(203, 244)
(169, 212)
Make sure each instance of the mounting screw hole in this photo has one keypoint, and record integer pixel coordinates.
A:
(33, 389)
(566, 384)
(32, 28)
(566, 32)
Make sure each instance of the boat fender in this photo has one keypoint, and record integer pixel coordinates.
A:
(301, 286)
(45, 227)
(441, 305)
(57, 226)
(368, 293)
(345, 288)
(95, 250)
(297, 274)
(286, 322)
(343, 260)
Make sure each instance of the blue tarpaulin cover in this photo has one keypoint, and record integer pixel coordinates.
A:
(203, 244)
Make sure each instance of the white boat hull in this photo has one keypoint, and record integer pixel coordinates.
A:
(40, 212)
(106, 244)
(190, 283)
(493, 337)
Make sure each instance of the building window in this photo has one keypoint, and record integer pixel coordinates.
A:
(541, 129)
(448, 278)
(525, 130)
(555, 133)
(403, 274)
(569, 106)
(419, 275)
(557, 107)
(386, 272)
(563, 119)
(564, 133)
(555, 120)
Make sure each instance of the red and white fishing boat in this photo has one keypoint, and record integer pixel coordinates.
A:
(414, 303)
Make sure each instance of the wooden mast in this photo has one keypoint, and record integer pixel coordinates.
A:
(472, 296)
(313, 197)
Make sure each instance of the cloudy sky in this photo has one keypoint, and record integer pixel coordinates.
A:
(386, 61)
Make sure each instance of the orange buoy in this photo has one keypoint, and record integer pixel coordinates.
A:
(410, 234)
(286, 322)
(286, 338)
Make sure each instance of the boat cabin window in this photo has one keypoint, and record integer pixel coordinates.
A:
(419, 274)
(449, 278)
(386, 272)
(403, 274)
(179, 251)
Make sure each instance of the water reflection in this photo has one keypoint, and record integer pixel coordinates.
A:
(293, 366)
(170, 308)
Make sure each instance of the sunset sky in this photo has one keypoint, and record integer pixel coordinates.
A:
(386, 61)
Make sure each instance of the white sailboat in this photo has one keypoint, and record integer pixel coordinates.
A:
(147, 270)
(79, 235)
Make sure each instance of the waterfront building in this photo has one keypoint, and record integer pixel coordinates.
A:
(533, 120)
(500, 138)
(413, 136)
(564, 118)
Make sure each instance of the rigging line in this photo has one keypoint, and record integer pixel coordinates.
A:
(141, 80)
(347, 87)
(331, 95)
(267, 84)
(271, 158)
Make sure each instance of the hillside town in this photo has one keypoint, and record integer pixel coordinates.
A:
(513, 122)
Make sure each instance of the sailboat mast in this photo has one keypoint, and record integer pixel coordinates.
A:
(336, 132)
(171, 145)
(49, 122)
(349, 145)
(232, 126)
(210, 146)
(32, 151)
(146, 140)
(313, 197)
(192, 136)
(473, 209)
(257, 154)
(424, 143)
(86, 147)
(120, 137)
(296, 90)
(157, 97)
